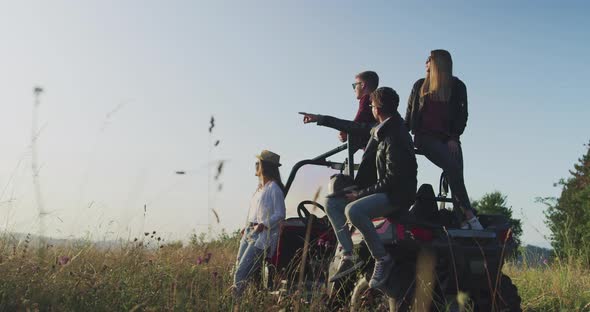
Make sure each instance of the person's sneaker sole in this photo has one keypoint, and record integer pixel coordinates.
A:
(468, 226)
(340, 275)
(376, 284)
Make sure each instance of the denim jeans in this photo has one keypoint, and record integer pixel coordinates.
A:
(248, 260)
(335, 211)
(437, 151)
(361, 213)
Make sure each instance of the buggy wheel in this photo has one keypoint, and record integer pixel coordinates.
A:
(506, 298)
(339, 293)
(366, 299)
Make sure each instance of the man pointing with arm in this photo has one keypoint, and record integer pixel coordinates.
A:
(386, 181)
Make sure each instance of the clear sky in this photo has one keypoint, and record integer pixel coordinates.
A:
(130, 87)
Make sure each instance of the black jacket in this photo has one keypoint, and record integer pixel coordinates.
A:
(367, 174)
(457, 108)
(388, 164)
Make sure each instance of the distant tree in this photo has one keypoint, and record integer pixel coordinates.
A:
(568, 217)
(496, 203)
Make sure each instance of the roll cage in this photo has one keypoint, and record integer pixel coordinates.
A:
(321, 160)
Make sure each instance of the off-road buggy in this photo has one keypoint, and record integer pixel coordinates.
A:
(437, 264)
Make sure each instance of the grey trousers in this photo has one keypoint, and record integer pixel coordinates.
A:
(360, 212)
(437, 151)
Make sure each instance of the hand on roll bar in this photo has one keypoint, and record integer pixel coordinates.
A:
(342, 136)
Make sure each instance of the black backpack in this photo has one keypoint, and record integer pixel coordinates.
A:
(425, 207)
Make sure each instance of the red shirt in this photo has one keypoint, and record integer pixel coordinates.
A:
(364, 113)
(435, 118)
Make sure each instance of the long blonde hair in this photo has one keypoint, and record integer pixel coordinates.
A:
(438, 82)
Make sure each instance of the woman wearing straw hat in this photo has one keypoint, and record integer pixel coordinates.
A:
(267, 210)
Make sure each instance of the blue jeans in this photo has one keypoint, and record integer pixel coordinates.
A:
(249, 258)
(335, 210)
(360, 212)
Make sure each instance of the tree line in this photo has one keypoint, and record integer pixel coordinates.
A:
(566, 216)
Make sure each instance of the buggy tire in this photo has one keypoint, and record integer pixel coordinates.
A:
(339, 293)
(378, 301)
(506, 298)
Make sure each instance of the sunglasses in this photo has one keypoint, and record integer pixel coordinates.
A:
(355, 84)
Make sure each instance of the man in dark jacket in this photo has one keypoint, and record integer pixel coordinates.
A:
(386, 181)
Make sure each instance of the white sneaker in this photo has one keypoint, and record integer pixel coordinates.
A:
(472, 224)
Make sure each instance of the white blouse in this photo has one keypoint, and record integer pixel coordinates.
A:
(268, 208)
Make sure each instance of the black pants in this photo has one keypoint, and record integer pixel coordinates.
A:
(437, 151)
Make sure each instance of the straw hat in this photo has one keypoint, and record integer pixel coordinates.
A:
(269, 157)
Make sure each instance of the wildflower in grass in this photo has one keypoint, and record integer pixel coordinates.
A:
(207, 257)
(199, 260)
(63, 260)
(321, 242)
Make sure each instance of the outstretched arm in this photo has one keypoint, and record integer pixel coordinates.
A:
(350, 127)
